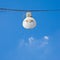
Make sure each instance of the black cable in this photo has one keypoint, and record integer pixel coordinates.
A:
(6, 9)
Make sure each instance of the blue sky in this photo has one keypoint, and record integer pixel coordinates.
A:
(40, 43)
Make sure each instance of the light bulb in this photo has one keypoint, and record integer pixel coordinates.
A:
(29, 22)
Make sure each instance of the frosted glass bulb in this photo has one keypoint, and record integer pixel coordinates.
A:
(29, 22)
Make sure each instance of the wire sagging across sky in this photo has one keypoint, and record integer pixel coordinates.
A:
(44, 10)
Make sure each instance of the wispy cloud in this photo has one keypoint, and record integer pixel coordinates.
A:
(32, 49)
(33, 42)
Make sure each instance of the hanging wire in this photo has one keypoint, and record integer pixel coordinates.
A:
(6, 9)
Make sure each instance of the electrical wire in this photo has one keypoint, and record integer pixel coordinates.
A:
(6, 9)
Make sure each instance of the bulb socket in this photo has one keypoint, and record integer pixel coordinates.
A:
(28, 14)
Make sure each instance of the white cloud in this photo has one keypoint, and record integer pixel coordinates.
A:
(31, 49)
(46, 37)
(35, 43)
(43, 44)
(31, 39)
(34, 47)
